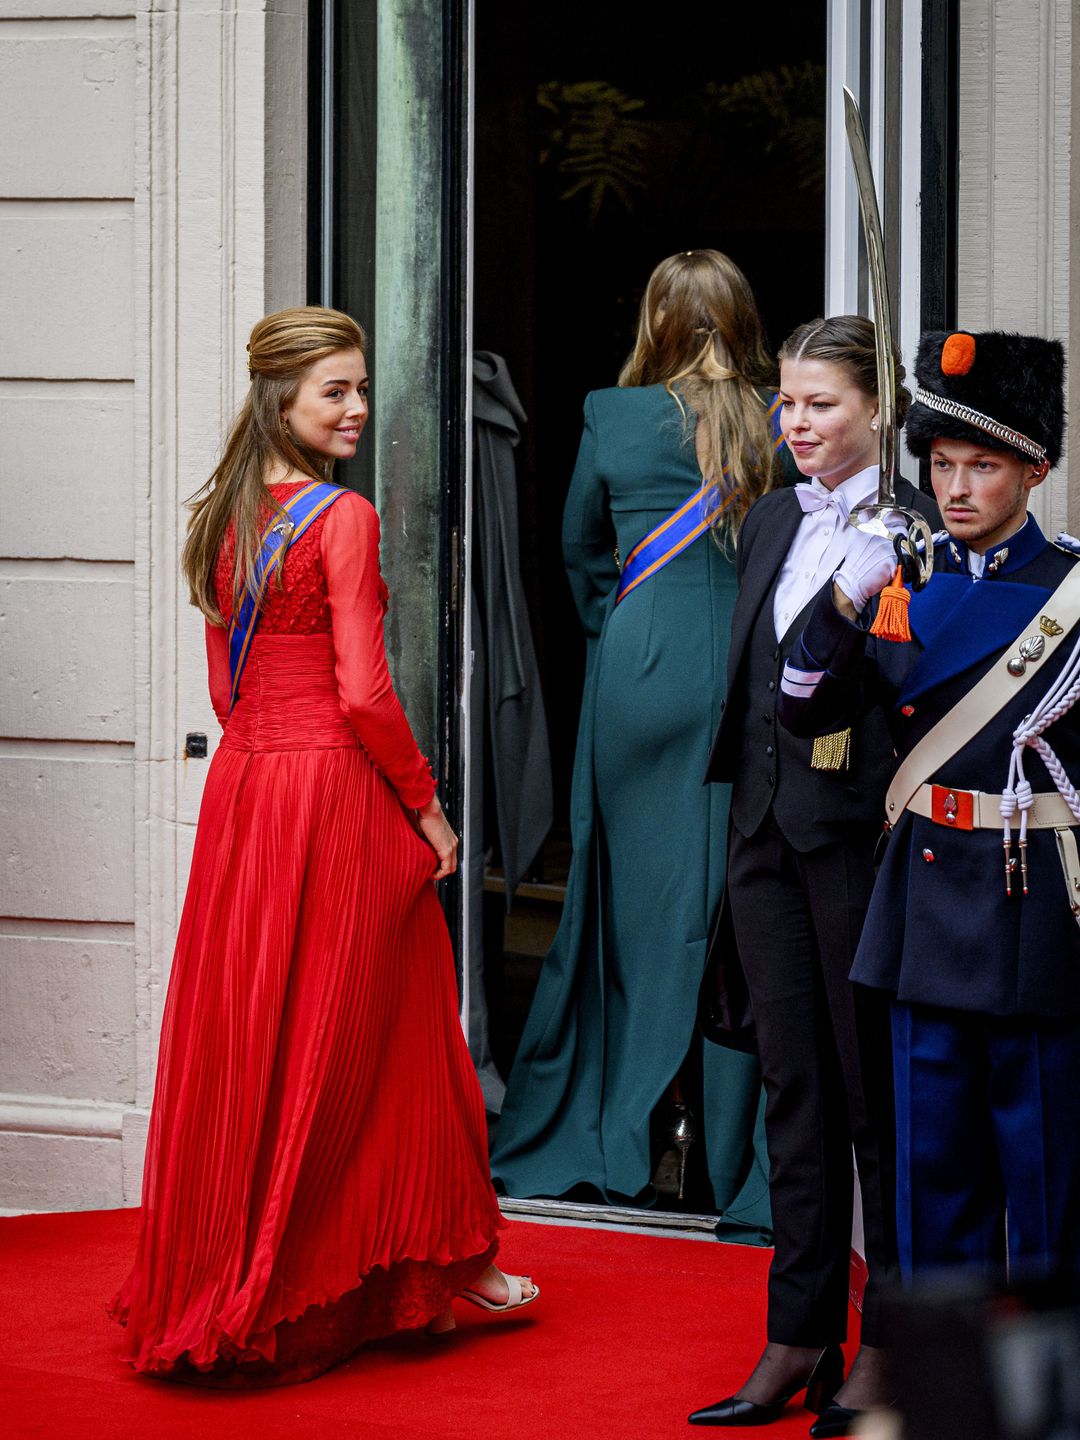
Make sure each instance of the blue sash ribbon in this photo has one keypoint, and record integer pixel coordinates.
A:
(304, 507)
(684, 525)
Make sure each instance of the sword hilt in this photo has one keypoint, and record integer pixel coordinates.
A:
(917, 565)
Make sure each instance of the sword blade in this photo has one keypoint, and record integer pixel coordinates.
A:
(879, 290)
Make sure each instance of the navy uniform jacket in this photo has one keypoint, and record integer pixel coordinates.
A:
(942, 931)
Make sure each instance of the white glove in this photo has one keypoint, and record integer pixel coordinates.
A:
(868, 566)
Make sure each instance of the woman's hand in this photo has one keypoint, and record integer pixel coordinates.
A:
(435, 828)
(868, 567)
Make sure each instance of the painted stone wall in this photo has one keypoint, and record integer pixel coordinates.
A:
(68, 1013)
(148, 215)
(1020, 191)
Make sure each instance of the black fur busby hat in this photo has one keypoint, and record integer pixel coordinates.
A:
(994, 389)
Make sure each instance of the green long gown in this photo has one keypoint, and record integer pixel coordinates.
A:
(614, 1011)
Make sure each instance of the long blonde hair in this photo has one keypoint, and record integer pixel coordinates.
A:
(282, 349)
(700, 335)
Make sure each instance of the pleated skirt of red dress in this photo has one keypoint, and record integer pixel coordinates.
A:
(316, 1170)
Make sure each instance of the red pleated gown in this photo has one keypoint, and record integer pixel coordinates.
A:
(316, 1170)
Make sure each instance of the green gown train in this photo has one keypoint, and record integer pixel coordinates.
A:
(614, 1010)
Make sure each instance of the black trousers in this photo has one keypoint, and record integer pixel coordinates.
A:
(826, 1062)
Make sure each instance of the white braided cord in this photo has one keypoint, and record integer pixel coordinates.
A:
(1066, 788)
(1057, 701)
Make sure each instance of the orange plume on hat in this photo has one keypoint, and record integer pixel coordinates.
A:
(958, 353)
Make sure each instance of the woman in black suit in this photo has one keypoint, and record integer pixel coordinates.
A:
(805, 818)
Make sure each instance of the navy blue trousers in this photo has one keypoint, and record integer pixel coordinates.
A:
(988, 1140)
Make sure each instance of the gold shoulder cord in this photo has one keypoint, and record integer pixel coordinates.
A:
(832, 752)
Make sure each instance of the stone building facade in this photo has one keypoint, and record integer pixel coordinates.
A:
(154, 201)
(151, 208)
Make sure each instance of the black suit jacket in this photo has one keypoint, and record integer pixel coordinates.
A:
(813, 807)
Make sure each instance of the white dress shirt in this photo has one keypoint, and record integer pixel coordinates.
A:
(820, 545)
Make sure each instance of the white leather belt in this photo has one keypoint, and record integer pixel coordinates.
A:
(981, 810)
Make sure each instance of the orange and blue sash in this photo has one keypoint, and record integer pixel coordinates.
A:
(684, 525)
(304, 507)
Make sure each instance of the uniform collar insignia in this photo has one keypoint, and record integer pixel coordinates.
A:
(1012, 554)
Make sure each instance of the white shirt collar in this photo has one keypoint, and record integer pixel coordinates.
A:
(855, 489)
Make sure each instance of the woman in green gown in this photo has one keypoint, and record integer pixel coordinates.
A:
(613, 1017)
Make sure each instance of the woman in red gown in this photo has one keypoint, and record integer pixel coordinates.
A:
(316, 1170)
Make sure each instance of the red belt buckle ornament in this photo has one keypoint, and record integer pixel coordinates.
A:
(955, 808)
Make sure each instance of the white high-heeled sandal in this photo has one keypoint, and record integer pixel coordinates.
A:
(516, 1297)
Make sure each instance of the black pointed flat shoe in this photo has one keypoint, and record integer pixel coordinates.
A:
(821, 1385)
(834, 1420)
(733, 1412)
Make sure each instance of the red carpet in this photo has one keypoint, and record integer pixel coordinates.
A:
(630, 1333)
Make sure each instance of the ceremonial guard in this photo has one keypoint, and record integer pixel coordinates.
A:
(972, 927)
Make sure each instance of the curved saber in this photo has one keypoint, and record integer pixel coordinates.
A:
(872, 517)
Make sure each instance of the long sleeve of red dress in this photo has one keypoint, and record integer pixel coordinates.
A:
(350, 552)
(217, 670)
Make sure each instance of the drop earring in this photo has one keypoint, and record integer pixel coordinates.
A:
(285, 426)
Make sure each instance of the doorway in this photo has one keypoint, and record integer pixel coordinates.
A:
(601, 146)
